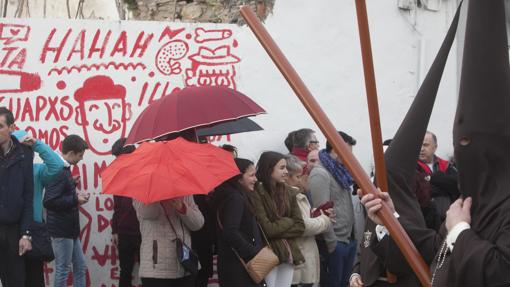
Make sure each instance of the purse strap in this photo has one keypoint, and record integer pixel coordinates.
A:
(172, 226)
(221, 228)
(258, 224)
(220, 225)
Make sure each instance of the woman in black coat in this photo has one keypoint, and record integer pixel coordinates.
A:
(237, 227)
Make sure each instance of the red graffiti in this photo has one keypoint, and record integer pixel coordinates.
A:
(82, 49)
(85, 80)
(83, 183)
(97, 171)
(168, 32)
(109, 254)
(18, 82)
(102, 223)
(85, 229)
(102, 112)
(114, 273)
(218, 138)
(40, 108)
(69, 281)
(52, 136)
(212, 67)
(47, 270)
(202, 35)
(13, 57)
(10, 33)
(107, 204)
(97, 67)
(92, 168)
(155, 93)
(168, 56)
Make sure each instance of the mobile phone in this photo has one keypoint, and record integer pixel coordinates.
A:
(324, 207)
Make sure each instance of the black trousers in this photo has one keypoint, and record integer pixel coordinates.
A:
(202, 279)
(12, 266)
(129, 250)
(381, 284)
(35, 273)
(188, 281)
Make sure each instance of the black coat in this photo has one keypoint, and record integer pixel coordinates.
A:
(17, 186)
(61, 202)
(203, 240)
(239, 231)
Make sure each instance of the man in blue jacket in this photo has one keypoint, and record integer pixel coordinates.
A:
(62, 202)
(16, 191)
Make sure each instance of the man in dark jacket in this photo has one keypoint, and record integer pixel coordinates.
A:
(16, 191)
(125, 226)
(62, 202)
(441, 174)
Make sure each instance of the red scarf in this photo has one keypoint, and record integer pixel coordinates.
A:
(301, 153)
(442, 164)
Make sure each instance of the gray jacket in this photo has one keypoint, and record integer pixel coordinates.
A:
(323, 188)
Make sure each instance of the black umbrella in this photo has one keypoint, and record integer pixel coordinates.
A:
(241, 125)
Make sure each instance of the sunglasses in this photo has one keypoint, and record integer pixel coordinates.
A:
(313, 142)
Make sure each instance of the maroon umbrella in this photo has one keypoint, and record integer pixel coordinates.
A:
(191, 107)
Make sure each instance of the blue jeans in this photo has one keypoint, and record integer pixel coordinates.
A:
(68, 253)
(339, 264)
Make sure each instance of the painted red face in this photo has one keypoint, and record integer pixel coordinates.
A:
(104, 121)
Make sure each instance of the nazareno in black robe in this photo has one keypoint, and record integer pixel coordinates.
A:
(481, 135)
(401, 158)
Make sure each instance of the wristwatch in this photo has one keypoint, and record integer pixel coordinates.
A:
(27, 235)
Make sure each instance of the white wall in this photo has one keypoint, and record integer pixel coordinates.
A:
(320, 39)
(326, 54)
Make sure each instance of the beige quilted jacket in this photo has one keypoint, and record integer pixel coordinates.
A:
(158, 257)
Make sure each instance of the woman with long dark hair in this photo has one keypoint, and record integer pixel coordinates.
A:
(279, 215)
(237, 229)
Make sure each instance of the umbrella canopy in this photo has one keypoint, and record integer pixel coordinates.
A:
(168, 169)
(231, 127)
(191, 107)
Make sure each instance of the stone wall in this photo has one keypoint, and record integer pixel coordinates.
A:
(213, 11)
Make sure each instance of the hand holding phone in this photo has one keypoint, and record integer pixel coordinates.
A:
(324, 208)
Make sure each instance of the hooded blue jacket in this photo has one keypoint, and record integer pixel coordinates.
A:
(43, 172)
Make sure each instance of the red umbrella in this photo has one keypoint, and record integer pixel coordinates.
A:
(191, 107)
(157, 171)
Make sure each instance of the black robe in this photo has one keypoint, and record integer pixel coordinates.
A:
(481, 135)
(375, 257)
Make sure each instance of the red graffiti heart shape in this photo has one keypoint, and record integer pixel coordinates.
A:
(14, 32)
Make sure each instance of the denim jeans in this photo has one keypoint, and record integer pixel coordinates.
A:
(68, 253)
(339, 264)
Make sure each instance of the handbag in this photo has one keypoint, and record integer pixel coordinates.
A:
(41, 243)
(262, 263)
(186, 256)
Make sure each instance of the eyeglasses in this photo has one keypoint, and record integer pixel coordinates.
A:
(313, 142)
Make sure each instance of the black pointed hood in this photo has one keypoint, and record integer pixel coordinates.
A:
(481, 131)
(402, 154)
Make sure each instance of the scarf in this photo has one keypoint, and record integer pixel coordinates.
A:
(336, 169)
(300, 153)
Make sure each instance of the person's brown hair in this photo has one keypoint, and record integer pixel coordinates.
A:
(278, 191)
